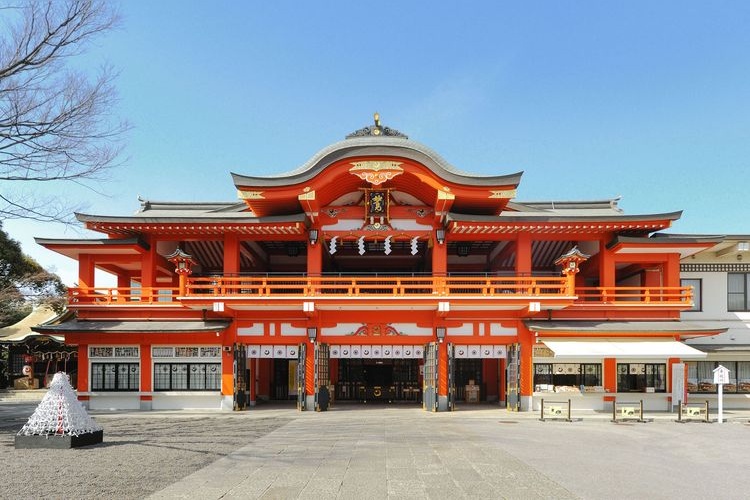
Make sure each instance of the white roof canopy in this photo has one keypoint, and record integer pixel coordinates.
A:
(633, 348)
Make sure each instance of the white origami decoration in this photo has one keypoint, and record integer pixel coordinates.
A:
(60, 420)
(361, 245)
(332, 247)
(387, 245)
(414, 244)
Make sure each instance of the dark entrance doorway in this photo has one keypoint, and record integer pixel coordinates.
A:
(378, 380)
(468, 373)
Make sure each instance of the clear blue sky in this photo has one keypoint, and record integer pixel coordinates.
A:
(647, 100)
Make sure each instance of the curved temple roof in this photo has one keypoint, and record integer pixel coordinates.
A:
(381, 146)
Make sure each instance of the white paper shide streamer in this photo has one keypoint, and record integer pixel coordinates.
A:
(60, 413)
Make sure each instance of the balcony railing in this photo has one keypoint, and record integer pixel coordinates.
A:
(337, 287)
(379, 286)
(635, 295)
(110, 296)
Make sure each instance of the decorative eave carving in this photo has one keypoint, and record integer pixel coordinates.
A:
(376, 172)
(377, 130)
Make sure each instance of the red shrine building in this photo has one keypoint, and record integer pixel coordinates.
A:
(378, 272)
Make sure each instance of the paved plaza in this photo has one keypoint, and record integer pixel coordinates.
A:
(402, 452)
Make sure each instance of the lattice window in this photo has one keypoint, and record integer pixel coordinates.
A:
(186, 352)
(187, 376)
(101, 352)
(162, 352)
(115, 376)
(211, 352)
(126, 352)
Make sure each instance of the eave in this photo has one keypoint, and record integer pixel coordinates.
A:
(684, 246)
(462, 224)
(287, 225)
(73, 248)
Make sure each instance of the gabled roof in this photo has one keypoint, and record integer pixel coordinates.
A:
(24, 329)
(380, 146)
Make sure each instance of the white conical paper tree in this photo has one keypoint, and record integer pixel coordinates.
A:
(60, 413)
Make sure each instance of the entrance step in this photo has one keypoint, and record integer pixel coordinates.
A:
(22, 395)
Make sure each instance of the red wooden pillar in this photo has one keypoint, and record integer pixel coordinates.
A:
(672, 271)
(606, 265)
(83, 371)
(442, 369)
(309, 374)
(610, 375)
(315, 258)
(148, 271)
(146, 376)
(86, 271)
(123, 282)
(440, 259)
(526, 367)
(231, 254)
(523, 254)
(227, 373)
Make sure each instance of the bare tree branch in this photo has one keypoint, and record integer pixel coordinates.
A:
(55, 123)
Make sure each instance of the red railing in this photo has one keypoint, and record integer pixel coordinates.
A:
(112, 296)
(395, 286)
(252, 287)
(636, 295)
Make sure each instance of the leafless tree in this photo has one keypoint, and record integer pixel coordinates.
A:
(55, 121)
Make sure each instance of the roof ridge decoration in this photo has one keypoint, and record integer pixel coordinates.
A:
(376, 130)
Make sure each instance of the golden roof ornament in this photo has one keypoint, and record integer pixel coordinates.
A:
(376, 130)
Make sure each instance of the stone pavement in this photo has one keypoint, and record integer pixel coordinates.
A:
(404, 452)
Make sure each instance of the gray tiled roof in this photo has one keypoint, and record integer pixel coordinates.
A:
(552, 216)
(623, 326)
(376, 146)
(76, 325)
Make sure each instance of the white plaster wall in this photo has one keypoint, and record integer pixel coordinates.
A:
(131, 401)
(714, 303)
(186, 401)
(595, 401)
(287, 330)
(256, 330)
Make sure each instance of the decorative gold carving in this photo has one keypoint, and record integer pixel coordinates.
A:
(503, 193)
(250, 195)
(375, 330)
(376, 172)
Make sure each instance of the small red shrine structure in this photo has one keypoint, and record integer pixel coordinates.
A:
(376, 271)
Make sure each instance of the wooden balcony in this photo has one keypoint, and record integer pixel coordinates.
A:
(248, 289)
(377, 286)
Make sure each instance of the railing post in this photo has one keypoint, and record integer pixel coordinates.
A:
(647, 296)
(183, 285)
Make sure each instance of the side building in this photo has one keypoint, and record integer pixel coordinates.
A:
(376, 271)
(720, 277)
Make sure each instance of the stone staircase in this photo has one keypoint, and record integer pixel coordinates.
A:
(22, 395)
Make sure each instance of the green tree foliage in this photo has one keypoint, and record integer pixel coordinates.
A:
(24, 283)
